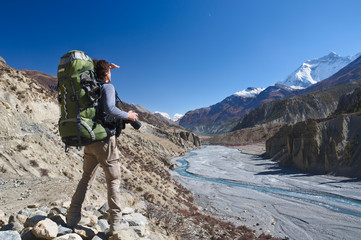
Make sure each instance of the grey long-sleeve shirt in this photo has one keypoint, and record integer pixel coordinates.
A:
(108, 101)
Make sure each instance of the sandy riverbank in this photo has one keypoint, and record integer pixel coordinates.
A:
(253, 149)
(255, 192)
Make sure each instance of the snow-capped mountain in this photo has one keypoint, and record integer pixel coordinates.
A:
(315, 70)
(162, 114)
(220, 117)
(249, 92)
(175, 118)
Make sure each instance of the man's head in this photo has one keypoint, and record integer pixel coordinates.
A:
(102, 70)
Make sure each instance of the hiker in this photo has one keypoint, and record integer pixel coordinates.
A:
(103, 153)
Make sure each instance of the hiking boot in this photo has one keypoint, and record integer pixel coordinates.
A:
(72, 219)
(118, 225)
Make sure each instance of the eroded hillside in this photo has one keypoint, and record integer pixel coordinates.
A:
(35, 169)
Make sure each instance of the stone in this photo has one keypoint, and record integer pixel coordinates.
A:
(26, 234)
(100, 236)
(124, 234)
(70, 236)
(21, 218)
(103, 224)
(14, 226)
(32, 221)
(45, 229)
(33, 206)
(59, 219)
(57, 210)
(137, 222)
(44, 209)
(127, 211)
(3, 220)
(38, 213)
(66, 204)
(10, 235)
(104, 208)
(57, 203)
(85, 232)
(64, 230)
(25, 211)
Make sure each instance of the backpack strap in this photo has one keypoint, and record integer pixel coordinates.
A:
(78, 118)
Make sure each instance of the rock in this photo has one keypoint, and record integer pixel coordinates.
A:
(70, 236)
(103, 224)
(104, 211)
(137, 222)
(21, 218)
(66, 204)
(319, 146)
(32, 221)
(63, 230)
(10, 235)
(27, 234)
(85, 232)
(25, 211)
(59, 219)
(127, 211)
(88, 219)
(3, 220)
(100, 236)
(14, 226)
(124, 234)
(58, 210)
(45, 229)
(38, 213)
(33, 206)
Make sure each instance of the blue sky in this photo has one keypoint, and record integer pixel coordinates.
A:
(181, 55)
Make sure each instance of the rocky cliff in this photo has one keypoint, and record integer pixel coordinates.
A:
(320, 147)
(316, 105)
(36, 171)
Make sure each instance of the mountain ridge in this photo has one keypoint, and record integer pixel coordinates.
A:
(224, 116)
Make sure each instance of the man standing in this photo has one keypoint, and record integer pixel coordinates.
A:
(103, 153)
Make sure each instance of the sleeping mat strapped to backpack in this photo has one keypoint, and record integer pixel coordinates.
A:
(78, 97)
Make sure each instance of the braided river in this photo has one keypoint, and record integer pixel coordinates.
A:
(255, 192)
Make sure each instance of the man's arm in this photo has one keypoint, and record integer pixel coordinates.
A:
(108, 93)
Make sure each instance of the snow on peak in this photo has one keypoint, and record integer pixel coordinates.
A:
(165, 115)
(315, 70)
(175, 118)
(249, 92)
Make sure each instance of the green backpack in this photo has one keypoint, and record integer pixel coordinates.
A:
(78, 97)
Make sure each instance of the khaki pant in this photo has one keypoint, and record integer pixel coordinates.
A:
(105, 154)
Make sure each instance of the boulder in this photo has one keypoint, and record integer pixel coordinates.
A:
(46, 229)
(10, 235)
(32, 221)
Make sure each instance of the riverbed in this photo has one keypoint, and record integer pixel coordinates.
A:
(257, 193)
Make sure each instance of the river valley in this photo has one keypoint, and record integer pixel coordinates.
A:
(257, 193)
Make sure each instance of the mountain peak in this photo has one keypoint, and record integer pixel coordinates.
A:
(332, 54)
(315, 70)
(249, 92)
(175, 118)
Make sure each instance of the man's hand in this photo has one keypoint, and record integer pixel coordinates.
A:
(132, 116)
(112, 66)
